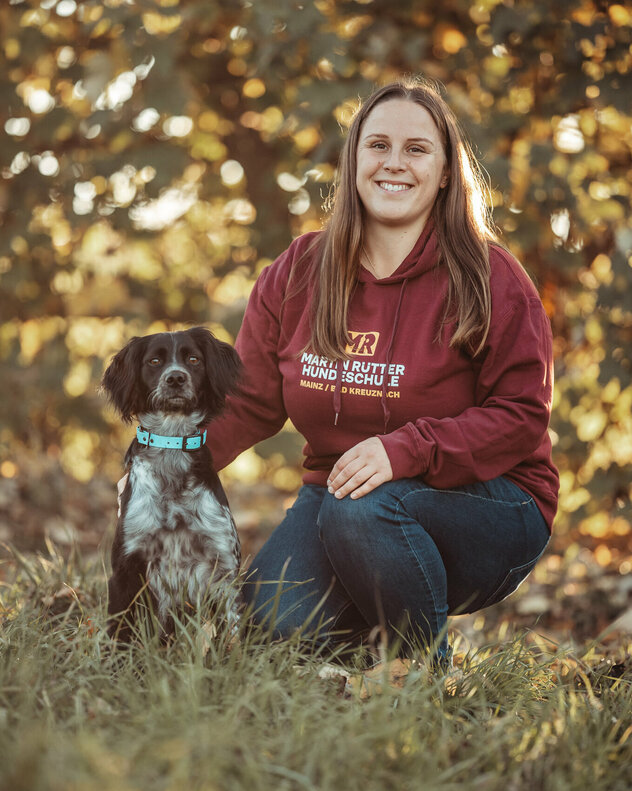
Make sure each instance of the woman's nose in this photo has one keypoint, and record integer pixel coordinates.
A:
(394, 160)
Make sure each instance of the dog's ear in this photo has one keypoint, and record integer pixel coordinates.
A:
(121, 380)
(223, 369)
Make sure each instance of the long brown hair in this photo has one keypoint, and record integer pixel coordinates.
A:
(463, 227)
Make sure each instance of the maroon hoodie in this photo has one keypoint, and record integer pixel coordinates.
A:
(441, 414)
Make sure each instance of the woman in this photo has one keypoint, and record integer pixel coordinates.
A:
(414, 355)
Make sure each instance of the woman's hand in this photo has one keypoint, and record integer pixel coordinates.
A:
(120, 488)
(360, 470)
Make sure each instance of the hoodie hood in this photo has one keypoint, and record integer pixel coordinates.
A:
(422, 258)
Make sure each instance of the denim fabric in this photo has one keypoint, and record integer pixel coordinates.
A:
(401, 558)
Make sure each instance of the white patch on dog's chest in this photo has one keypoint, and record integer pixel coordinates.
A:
(184, 533)
(154, 506)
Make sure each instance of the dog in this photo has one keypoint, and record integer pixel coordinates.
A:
(175, 536)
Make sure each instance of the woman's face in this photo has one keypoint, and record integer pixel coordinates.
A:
(401, 165)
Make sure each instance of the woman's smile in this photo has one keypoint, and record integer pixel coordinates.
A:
(392, 186)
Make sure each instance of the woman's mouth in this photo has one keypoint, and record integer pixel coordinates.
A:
(391, 186)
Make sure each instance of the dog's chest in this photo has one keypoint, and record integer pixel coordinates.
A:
(176, 521)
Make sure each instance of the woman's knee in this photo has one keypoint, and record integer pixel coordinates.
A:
(347, 522)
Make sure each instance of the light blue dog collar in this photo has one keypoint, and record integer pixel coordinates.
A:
(190, 442)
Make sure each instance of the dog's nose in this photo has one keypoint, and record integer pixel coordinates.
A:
(176, 379)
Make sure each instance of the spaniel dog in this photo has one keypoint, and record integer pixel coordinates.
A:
(175, 535)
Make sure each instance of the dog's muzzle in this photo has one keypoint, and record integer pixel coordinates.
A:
(174, 390)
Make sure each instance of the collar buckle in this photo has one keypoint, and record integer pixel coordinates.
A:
(197, 441)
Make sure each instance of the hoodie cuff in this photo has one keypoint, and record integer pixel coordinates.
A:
(405, 452)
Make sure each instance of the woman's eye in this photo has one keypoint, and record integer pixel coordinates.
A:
(379, 146)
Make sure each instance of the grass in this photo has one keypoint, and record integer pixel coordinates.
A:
(74, 715)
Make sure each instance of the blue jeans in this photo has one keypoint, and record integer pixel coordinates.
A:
(401, 558)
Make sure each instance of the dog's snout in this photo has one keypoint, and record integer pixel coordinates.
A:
(176, 378)
(174, 388)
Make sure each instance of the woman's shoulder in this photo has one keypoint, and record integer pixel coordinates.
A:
(508, 277)
(299, 251)
(294, 262)
(306, 241)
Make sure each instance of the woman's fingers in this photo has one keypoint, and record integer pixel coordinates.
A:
(347, 465)
(120, 488)
(373, 482)
(360, 470)
(352, 483)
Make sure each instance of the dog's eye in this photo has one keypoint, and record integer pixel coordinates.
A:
(154, 361)
(193, 359)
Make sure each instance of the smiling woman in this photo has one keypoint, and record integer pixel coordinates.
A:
(414, 355)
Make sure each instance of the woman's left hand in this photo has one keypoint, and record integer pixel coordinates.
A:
(360, 470)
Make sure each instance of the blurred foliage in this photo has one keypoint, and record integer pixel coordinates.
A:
(155, 155)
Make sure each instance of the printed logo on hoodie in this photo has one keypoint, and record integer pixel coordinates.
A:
(363, 344)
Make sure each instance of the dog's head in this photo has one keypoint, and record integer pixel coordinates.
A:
(179, 372)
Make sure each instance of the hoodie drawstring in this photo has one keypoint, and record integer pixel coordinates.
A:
(338, 391)
(389, 352)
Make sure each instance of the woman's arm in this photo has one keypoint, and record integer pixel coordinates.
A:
(514, 390)
(257, 411)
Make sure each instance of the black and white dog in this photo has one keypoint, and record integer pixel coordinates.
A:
(175, 535)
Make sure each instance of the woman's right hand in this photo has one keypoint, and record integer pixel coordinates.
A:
(120, 488)
(360, 470)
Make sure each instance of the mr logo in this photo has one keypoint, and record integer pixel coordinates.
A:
(363, 344)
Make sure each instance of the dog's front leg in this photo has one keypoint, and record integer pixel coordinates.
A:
(125, 587)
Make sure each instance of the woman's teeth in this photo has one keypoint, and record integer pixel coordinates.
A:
(394, 187)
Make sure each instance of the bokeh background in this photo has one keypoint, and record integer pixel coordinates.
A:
(156, 155)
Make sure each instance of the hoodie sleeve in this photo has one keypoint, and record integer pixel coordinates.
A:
(258, 411)
(511, 416)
